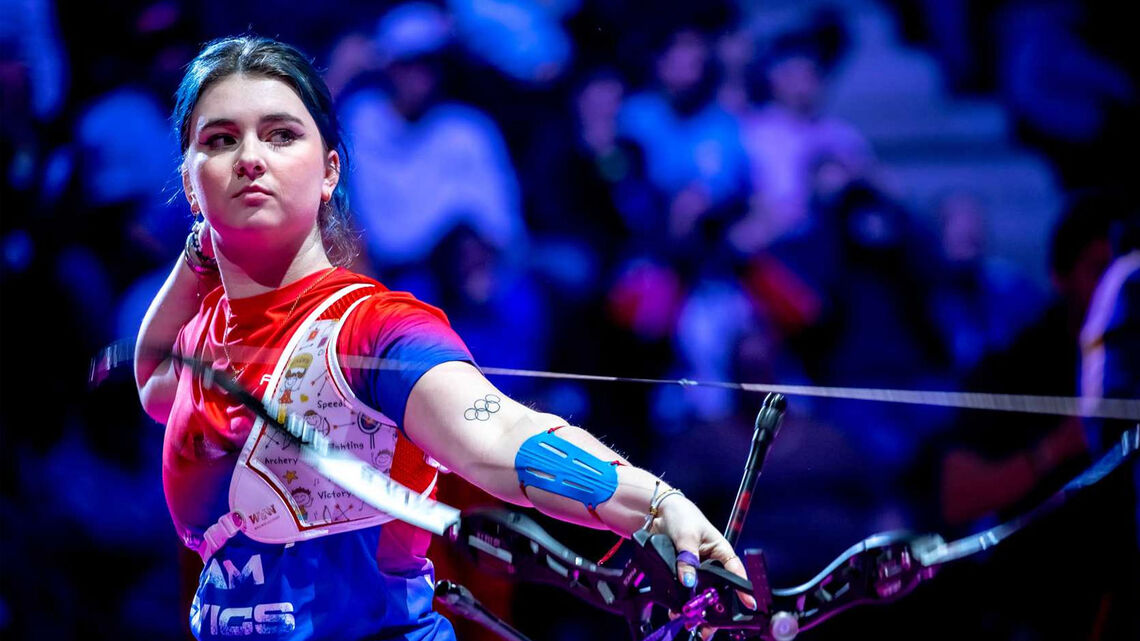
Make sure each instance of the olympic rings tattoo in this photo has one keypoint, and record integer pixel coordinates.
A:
(483, 408)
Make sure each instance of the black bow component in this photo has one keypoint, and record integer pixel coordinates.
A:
(879, 569)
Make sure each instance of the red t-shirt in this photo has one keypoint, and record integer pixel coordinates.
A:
(207, 430)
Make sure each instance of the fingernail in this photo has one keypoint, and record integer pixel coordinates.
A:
(689, 579)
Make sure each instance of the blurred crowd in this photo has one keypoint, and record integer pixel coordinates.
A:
(597, 187)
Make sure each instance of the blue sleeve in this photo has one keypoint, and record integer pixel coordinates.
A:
(401, 339)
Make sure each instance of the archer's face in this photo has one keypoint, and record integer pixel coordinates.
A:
(256, 164)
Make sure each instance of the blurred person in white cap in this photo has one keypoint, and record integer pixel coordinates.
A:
(424, 164)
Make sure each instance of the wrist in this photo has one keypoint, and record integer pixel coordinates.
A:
(661, 494)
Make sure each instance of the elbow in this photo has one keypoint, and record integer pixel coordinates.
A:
(157, 384)
(157, 409)
(155, 400)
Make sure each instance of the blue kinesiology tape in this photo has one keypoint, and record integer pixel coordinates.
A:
(551, 463)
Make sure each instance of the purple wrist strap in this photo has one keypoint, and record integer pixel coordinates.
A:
(686, 556)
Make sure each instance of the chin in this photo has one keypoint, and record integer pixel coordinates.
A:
(269, 224)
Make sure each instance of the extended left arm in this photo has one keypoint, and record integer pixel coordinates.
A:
(459, 418)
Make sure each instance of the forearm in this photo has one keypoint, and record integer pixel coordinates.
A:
(461, 420)
(485, 452)
(623, 512)
(176, 302)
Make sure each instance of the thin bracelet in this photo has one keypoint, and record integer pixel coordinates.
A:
(655, 503)
(652, 498)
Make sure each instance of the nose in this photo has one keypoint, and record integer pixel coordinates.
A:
(249, 163)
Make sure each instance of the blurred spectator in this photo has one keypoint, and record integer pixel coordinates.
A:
(1044, 360)
(125, 158)
(603, 251)
(353, 58)
(593, 213)
(885, 333)
(492, 303)
(424, 166)
(791, 281)
(712, 322)
(112, 222)
(735, 51)
(1110, 336)
(32, 58)
(1001, 464)
(677, 279)
(1110, 368)
(502, 315)
(982, 302)
(788, 136)
(127, 154)
(957, 33)
(692, 144)
(589, 191)
(1075, 103)
(521, 38)
(874, 329)
(34, 83)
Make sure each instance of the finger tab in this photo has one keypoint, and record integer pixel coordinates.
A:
(685, 556)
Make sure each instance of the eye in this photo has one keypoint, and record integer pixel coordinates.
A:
(217, 141)
(282, 137)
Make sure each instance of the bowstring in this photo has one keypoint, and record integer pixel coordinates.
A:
(122, 352)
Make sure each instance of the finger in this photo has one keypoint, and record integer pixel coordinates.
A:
(687, 562)
(736, 566)
(722, 551)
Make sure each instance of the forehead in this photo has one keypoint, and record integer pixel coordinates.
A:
(243, 98)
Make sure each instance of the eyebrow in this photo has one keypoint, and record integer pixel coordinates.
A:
(277, 117)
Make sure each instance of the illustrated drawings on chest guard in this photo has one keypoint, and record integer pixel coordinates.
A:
(275, 496)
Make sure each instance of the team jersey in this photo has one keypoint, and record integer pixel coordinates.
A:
(305, 590)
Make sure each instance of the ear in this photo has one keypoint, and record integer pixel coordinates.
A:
(188, 191)
(332, 175)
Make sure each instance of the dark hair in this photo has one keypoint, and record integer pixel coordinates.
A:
(258, 56)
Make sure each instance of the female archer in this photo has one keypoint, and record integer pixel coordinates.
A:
(258, 292)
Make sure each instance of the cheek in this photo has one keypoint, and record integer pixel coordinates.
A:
(210, 179)
(303, 180)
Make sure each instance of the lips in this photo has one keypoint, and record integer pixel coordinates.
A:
(253, 189)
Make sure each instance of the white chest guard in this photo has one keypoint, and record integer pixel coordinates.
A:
(275, 497)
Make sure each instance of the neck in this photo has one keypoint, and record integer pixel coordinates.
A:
(255, 270)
